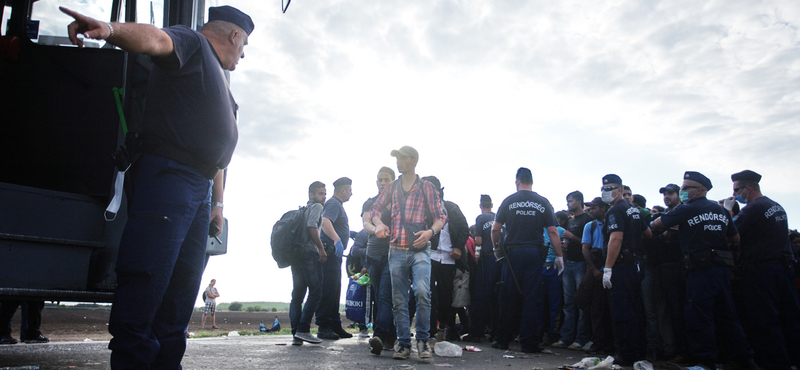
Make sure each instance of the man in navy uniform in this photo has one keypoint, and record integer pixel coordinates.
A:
(770, 307)
(335, 235)
(484, 297)
(524, 213)
(705, 229)
(623, 230)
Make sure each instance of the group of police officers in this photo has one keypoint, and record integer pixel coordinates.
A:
(762, 328)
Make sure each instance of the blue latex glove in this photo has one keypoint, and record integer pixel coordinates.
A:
(339, 249)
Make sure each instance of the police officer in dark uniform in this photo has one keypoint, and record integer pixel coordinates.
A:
(705, 229)
(770, 307)
(623, 231)
(524, 213)
(484, 295)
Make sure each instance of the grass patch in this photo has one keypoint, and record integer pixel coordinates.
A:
(216, 333)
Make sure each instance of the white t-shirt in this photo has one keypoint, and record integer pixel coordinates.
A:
(209, 292)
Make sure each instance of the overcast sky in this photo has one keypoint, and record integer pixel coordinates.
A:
(572, 90)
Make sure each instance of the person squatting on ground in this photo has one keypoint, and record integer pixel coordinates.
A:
(623, 231)
(417, 216)
(383, 329)
(524, 214)
(177, 181)
(307, 270)
(705, 230)
(335, 235)
(211, 294)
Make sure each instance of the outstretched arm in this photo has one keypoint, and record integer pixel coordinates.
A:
(131, 37)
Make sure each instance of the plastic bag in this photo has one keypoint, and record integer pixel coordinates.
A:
(643, 365)
(605, 364)
(447, 349)
(587, 362)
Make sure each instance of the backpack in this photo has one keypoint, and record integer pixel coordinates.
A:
(205, 295)
(287, 240)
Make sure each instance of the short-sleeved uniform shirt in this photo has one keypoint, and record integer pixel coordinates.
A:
(626, 218)
(525, 213)
(189, 106)
(762, 226)
(483, 228)
(575, 225)
(334, 211)
(313, 219)
(377, 248)
(703, 225)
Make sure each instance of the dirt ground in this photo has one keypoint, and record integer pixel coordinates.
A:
(69, 325)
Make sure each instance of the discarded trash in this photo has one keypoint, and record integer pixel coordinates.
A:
(444, 365)
(88, 340)
(537, 368)
(605, 364)
(616, 367)
(336, 348)
(509, 356)
(547, 351)
(472, 349)
(587, 362)
(233, 334)
(190, 334)
(447, 349)
(642, 365)
(570, 358)
(280, 344)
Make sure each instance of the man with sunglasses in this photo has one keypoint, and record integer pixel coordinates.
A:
(623, 230)
(705, 229)
(769, 302)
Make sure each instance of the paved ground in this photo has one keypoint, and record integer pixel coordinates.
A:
(276, 351)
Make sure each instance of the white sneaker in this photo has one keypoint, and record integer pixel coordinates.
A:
(587, 346)
(559, 344)
(575, 346)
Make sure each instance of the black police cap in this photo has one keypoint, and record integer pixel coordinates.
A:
(698, 177)
(611, 179)
(746, 175)
(230, 14)
(342, 181)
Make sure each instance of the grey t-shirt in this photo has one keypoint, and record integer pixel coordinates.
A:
(313, 219)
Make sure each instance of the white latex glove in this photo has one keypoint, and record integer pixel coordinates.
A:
(559, 263)
(607, 278)
(728, 203)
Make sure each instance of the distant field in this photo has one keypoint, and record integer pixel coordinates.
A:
(265, 306)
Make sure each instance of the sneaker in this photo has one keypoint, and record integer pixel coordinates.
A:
(423, 349)
(327, 334)
(363, 334)
(341, 332)
(376, 345)
(575, 347)
(8, 339)
(432, 344)
(39, 339)
(307, 337)
(389, 345)
(587, 345)
(214, 327)
(402, 352)
(297, 341)
(559, 344)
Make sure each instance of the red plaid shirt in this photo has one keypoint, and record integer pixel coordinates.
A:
(414, 206)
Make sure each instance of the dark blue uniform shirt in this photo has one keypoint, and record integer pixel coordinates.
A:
(334, 211)
(483, 228)
(525, 214)
(703, 225)
(763, 226)
(626, 218)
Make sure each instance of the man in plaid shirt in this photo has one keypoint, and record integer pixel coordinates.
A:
(417, 215)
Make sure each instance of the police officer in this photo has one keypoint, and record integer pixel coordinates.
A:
(524, 214)
(623, 230)
(769, 302)
(484, 296)
(705, 229)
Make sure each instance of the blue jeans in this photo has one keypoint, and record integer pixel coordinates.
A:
(518, 310)
(306, 275)
(160, 264)
(571, 278)
(328, 309)
(402, 264)
(382, 287)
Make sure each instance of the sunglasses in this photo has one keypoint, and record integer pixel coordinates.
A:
(609, 188)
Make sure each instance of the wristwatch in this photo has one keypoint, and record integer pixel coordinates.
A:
(434, 232)
(217, 204)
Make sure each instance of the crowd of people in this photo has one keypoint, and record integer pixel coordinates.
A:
(696, 282)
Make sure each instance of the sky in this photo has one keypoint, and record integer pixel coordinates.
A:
(572, 90)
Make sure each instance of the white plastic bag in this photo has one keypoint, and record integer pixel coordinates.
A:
(447, 349)
(587, 362)
(605, 364)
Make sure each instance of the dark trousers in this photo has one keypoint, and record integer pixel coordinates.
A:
(442, 314)
(549, 301)
(602, 324)
(484, 298)
(670, 289)
(328, 309)
(772, 313)
(306, 276)
(383, 325)
(33, 315)
(627, 311)
(522, 271)
(159, 265)
(709, 311)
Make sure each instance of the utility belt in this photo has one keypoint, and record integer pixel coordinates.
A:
(626, 257)
(182, 157)
(542, 248)
(703, 259)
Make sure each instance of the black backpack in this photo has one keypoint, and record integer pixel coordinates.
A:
(287, 237)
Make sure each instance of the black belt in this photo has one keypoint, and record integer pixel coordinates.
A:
(182, 157)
